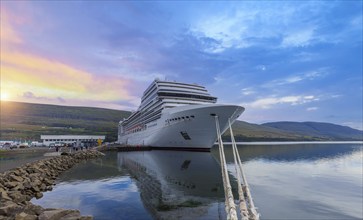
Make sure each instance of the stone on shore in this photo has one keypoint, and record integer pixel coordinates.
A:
(25, 216)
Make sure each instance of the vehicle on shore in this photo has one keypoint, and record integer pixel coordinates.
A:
(23, 145)
(37, 144)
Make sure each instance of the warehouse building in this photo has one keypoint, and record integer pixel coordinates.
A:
(91, 140)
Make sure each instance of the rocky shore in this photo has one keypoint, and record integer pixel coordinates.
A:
(20, 185)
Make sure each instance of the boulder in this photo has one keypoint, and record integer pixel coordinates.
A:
(9, 208)
(11, 184)
(42, 187)
(38, 195)
(4, 195)
(25, 216)
(35, 188)
(16, 178)
(32, 209)
(19, 187)
(17, 196)
(55, 214)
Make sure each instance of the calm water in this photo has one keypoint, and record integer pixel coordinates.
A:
(287, 182)
(13, 159)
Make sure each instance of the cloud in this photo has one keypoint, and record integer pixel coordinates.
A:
(8, 33)
(266, 103)
(250, 24)
(261, 67)
(356, 125)
(312, 109)
(309, 75)
(248, 91)
(22, 72)
(299, 38)
(30, 97)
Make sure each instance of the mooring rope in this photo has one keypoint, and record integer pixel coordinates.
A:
(246, 205)
(229, 200)
(242, 201)
(250, 212)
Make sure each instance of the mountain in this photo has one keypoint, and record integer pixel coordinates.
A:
(27, 121)
(321, 130)
(244, 131)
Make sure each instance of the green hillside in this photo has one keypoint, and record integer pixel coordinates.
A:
(318, 129)
(244, 131)
(27, 121)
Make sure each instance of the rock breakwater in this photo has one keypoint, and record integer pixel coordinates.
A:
(20, 185)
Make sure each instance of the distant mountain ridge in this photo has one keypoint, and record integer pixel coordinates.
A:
(27, 121)
(318, 129)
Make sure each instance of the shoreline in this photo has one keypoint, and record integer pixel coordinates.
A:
(19, 185)
(293, 142)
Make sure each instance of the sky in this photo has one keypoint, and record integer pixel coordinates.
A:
(281, 60)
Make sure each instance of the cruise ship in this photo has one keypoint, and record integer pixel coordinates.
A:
(176, 115)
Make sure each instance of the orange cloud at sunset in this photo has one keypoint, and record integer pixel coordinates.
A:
(33, 78)
(24, 72)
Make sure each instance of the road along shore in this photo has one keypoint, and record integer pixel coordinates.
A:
(18, 186)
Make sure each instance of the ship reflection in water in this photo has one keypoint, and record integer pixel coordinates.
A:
(173, 183)
(287, 182)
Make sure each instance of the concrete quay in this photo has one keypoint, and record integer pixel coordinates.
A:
(18, 186)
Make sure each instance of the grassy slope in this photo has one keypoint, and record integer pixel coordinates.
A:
(319, 129)
(29, 121)
(244, 131)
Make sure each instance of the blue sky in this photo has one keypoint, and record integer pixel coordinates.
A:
(281, 60)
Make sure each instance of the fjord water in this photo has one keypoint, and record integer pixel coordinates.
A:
(307, 181)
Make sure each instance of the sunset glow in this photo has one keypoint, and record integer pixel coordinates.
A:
(4, 96)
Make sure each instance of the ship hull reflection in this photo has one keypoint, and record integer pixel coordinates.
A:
(174, 183)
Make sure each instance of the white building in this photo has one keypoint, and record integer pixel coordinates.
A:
(69, 139)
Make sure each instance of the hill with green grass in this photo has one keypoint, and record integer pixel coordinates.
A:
(27, 121)
(321, 130)
(293, 131)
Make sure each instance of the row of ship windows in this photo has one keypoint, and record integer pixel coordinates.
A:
(69, 139)
(180, 118)
(136, 130)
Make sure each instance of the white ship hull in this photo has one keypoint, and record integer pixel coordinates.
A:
(197, 132)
